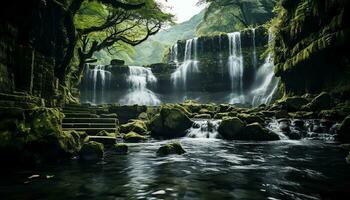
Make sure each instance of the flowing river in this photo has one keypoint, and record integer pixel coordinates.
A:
(211, 169)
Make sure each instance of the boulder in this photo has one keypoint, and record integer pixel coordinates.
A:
(344, 131)
(169, 123)
(171, 148)
(293, 103)
(137, 126)
(117, 62)
(91, 151)
(121, 148)
(105, 140)
(106, 133)
(202, 116)
(321, 102)
(256, 132)
(230, 127)
(134, 137)
(250, 118)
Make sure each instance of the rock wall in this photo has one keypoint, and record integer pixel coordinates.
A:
(311, 46)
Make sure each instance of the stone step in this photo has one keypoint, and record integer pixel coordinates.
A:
(90, 120)
(77, 112)
(10, 103)
(91, 131)
(106, 140)
(20, 98)
(80, 115)
(89, 125)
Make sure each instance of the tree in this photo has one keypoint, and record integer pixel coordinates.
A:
(243, 12)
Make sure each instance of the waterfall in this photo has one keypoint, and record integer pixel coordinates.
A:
(173, 54)
(96, 78)
(188, 66)
(204, 128)
(235, 67)
(254, 60)
(139, 78)
(266, 82)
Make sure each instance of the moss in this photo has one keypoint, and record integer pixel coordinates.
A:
(230, 126)
(137, 126)
(171, 148)
(91, 151)
(134, 137)
(106, 133)
(250, 118)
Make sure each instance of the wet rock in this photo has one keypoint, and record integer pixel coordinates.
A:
(171, 148)
(250, 118)
(230, 127)
(281, 114)
(294, 135)
(256, 132)
(106, 133)
(299, 124)
(344, 130)
(91, 151)
(284, 125)
(169, 123)
(134, 137)
(105, 140)
(202, 116)
(121, 148)
(137, 126)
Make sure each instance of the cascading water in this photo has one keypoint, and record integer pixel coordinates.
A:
(173, 54)
(266, 82)
(188, 66)
(98, 80)
(204, 128)
(235, 67)
(254, 59)
(138, 93)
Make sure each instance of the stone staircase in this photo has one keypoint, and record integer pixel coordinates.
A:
(87, 118)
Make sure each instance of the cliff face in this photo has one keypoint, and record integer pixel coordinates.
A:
(311, 45)
(32, 44)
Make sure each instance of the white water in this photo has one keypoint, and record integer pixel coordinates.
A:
(188, 66)
(173, 54)
(266, 82)
(204, 128)
(139, 78)
(100, 80)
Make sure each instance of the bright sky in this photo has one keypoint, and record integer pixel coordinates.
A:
(182, 9)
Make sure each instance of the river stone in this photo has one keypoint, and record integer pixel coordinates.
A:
(344, 131)
(91, 151)
(134, 137)
(171, 148)
(230, 127)
(169, 123)
(137, 126)
(256, 132)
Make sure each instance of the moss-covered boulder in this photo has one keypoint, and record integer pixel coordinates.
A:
(121, 148)
(106, 133)
(256, 132)
(344, 131)
(137, 126)
(171, 148)
(230, 127)
(251, 118)
(170, 122)
(91, 151)
(134, 137)
(202, 116)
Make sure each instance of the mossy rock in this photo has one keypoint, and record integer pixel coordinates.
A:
(256, 132)
(344, 131)
(293, 103)
(137, 126)
(171, 148)
(134, 137)
(143, 116)
(250, 118)
(91, 151)
(170, 122)
(106, 133)
(121, 148)
(202, 116)
(230, 127)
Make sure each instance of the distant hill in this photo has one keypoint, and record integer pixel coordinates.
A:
(152, 50)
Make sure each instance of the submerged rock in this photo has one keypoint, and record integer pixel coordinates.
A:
(230, 127)
(344, 130)
(171, 148)
(170, 122)
(91, 151)
(134, 137)
(121, 148)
